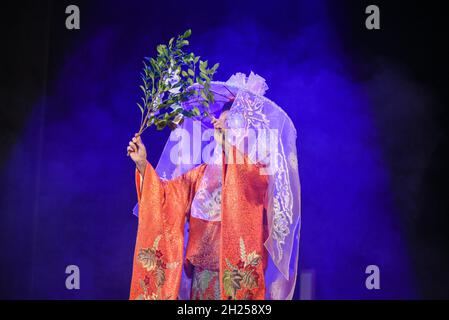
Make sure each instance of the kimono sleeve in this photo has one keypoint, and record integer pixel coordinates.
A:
(171, 197)
(163, 205)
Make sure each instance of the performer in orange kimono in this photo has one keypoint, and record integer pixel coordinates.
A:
(226, 223)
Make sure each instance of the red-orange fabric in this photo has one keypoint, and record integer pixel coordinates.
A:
(163, 209)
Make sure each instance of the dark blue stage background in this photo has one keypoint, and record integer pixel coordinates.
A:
(367, 132)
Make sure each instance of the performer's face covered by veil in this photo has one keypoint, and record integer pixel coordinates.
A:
(221, 123)
(263, 134)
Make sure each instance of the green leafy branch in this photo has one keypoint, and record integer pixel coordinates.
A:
(174, 76)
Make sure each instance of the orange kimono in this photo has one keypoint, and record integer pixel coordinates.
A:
(234, 246)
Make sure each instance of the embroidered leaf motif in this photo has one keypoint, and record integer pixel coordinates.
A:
(156, 242)
(230, 265)
(243, 275)
(242, 250)
(227, 284)
(253, 259)
(152, 261)
(204, 280)
(143, 285)
(231, 282)
(217, 293)
(249, 280)
(236, 277)
(147, 258)
(159, 276)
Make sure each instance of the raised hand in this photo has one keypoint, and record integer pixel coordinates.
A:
(138, 153)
